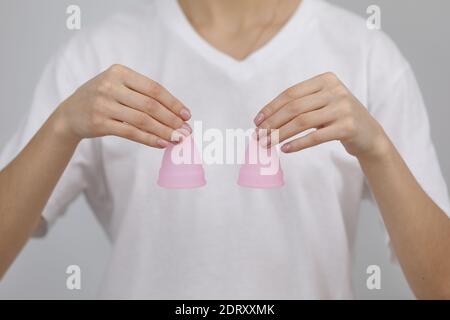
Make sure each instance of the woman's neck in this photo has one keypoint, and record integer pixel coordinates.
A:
(231, 25)
(236, 14)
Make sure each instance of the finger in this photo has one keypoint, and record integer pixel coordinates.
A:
(150, 88)
(264, 136)
(144, 122)
(312, 139)
(303, 122)
(150, 106)
(294, 108)
(127, 131)
(298, 91)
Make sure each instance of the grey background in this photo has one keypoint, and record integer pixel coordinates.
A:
(30, 31)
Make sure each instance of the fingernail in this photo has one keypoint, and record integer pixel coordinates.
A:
(259, 118)
(262, 133)
(185, 133)
(162, 143)
(255, 134)
(176, 137)
(286, 148)
(187, 127)
(185, 114)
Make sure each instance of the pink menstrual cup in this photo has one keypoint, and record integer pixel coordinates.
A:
(262, 168)
(181, 167)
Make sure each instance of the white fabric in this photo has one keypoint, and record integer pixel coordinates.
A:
(223, 241)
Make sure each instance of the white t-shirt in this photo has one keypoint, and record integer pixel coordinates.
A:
(222, 240)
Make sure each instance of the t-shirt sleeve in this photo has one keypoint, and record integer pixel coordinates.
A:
(57, 82)
(395, 100)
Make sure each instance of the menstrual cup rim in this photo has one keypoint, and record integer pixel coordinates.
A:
(261, 186)
(271, 181)
(246, 173)
(190, 185)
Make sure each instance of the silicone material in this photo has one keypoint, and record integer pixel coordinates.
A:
(254, 174)
(186, 172)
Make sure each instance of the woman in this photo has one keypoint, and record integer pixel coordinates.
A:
(293, 66)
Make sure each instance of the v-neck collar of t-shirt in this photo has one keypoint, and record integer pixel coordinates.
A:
(282, 43)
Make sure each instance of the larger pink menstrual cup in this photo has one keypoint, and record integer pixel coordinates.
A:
(262, 168)
(181, 167)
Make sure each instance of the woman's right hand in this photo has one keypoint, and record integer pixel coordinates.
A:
(124, 103)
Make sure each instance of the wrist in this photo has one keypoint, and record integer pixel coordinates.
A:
(61, 128)
(380, 150)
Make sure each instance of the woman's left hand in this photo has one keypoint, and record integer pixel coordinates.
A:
(325, 104)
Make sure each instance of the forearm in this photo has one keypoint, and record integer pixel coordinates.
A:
(26, 185)
(118, 102)
(418, 228)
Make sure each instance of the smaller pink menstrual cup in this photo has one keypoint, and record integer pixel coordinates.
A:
(181, 167)
(262, 168)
